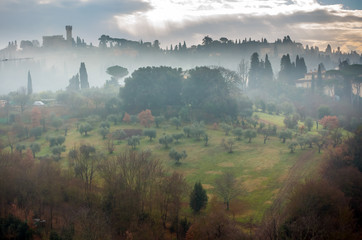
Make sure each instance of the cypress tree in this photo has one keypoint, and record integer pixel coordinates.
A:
(319, 76)
(84, 84)
(30, 84)
(286, 69)
(254, 72)
(300, 67)
(268, 70)
(313, 82)
(73, 83)
(198, 198)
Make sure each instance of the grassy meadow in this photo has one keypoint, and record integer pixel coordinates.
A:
(262, 170)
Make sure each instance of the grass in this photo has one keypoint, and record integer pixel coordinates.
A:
(261, 169)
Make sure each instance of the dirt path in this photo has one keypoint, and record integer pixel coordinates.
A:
(295, 174)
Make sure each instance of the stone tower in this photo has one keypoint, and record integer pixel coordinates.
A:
(69, 33)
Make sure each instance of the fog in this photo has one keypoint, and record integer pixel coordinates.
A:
(52, 67)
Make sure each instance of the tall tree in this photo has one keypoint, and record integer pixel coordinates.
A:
(117, 72)
(254, 72)
(152, 88)
(227, 187)
(321, 69)
(198, 198)
(145, 117)
(86, 163)
(30, 84)
(300, 67)
(83, 75)
(73, 83)
(243, 73)
(207, 91)
(207, 40)
(268, 71)
(286, 69)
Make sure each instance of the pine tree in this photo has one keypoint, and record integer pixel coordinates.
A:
(84, 84)
(30, 84)
(198, 198)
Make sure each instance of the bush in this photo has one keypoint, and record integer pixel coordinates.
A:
(323, 111)
(271, 108)
(151, 133)
(309, 123)
(177, 136)
(85, 128)
(238, 132)
(55, 141)
(134, 141)
(165, 140)
(34, 147)
(103, 132)
(13, 228)
(177, 156)
(291, 122)
(292, 146)
(250, 133)
(176, 122)
(285, 134)
(36, 132)
(104, 124)
(118, 135)
(226, 128)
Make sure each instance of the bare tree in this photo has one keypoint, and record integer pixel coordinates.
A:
(243, 73)
(228, 188)
(86, 163)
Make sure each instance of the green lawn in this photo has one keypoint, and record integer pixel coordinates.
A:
(261, 169)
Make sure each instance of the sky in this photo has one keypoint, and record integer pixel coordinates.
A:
(312, 22)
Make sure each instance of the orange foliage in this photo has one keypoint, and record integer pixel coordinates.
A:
(146, 118)
(126, 118)
(329, 122)
(35, 117)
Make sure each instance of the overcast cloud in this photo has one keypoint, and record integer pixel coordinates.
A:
(171, 21)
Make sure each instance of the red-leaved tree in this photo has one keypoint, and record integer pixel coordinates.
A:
(35, 117)
(329, 122)
(146, 118)
(126, 118)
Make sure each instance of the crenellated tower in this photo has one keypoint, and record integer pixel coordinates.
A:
(68, 28)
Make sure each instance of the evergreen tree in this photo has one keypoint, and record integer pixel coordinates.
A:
(84, 84)
(73, 83)
(198, 198)
(254, 71)
(319, 75)
(286, 69)
(313, 83)
(268, 71)
(300, 67)
(30, 84)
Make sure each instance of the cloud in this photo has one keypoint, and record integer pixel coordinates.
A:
(305, 20)
(172, 21)
(31, 19)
